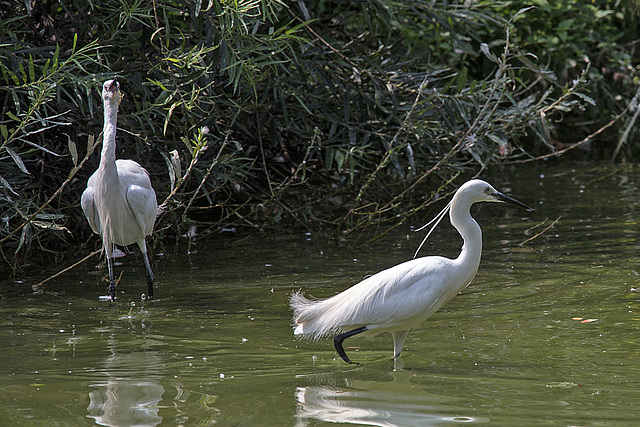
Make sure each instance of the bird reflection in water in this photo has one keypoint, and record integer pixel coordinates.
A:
(129, 392)
(125, 403)
(374, 403)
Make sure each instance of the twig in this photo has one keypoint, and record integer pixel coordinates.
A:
(609, 175)
(540, 233)
(416, 209)
(478, 122)
(204, 178)
(183, 178)
(264, 158)
(625, 135)
(37, 288)
(311, 31)
(572, 146)
(385, 160)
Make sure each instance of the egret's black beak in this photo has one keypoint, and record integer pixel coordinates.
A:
(113, 86)
(504, 198)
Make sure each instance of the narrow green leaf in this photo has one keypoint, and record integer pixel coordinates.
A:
(75, 41)
(485, 49)
(23, 237)
(50, 216)
(91, 142)
(352, 168)
(462, 79)
(585, 98)
(45, 69)
(526, 9)
(17, 159)
(50, 226)
(328, 159)
(603, 13)
(14, 77)
(23, 73)
(56, 55)
(5, 132)
(5, 184)
(175, 161)
(5, 76)
(73, 151)
(168, 118)
(339, 158)
(497, 139)
(12, 116)
(168, 28)
(545, 128)
(32, 72)
(159, 83)
(172, 171)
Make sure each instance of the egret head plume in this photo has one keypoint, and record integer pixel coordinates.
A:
(437, 220)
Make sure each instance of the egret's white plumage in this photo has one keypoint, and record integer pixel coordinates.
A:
(401, 297)
(119, 202)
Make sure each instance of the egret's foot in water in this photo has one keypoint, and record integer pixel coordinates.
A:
(337, 342)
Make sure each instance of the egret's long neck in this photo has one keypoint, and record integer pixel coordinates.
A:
(471, 233)
(108, 157)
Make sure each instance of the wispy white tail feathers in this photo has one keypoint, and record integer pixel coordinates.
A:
(301, 307)
(310, 318)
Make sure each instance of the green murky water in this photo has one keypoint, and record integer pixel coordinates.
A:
(547, 334)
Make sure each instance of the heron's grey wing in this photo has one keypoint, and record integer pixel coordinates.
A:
(144, 206)
(89, 209)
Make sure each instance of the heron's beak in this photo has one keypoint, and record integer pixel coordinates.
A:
(504, 198)
(115, 88)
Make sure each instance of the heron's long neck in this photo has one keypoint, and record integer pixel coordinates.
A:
(108, 156)
(107, 192)
(471, 233)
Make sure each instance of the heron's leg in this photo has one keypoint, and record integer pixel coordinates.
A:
(112, 283)
(149, 276)
(398, 341)
(337, 341)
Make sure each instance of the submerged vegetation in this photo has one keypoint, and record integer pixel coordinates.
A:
(319, 115)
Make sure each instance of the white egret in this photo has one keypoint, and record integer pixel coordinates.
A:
(401, 297)
(119, 202)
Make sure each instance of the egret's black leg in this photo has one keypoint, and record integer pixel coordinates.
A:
(112, 283)
(149, 287)
(337, 341)
(149, 276)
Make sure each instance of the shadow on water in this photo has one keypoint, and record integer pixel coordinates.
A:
(547, 334)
